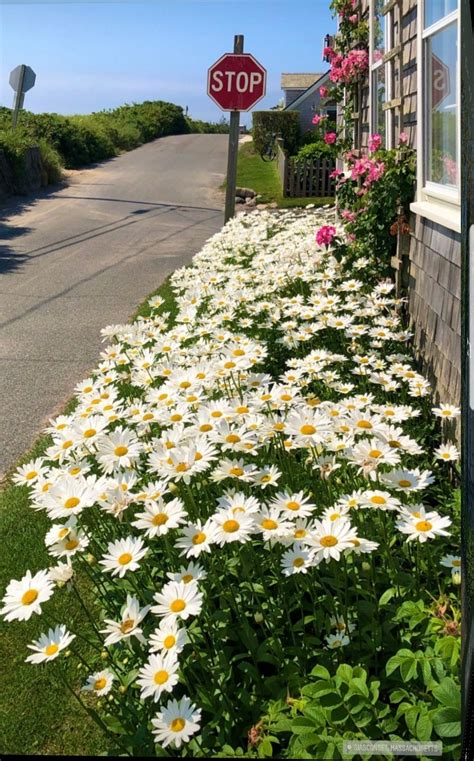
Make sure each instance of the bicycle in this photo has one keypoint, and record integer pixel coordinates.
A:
(269, 153)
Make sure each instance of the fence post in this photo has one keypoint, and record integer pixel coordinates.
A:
(282, 162)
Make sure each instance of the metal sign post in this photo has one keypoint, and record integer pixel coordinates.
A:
(22, 79)
(233, 148)
(236, 82)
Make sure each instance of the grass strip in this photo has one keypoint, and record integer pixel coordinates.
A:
(39, 716)
(262, 176)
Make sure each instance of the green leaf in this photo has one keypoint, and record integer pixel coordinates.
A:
(318, 689)
(446, 722)
(424, 728)
(387, 596)
(344, 671)
(302, 726)
(265, 749)
(321, 673)
(397, 695)
(448, 693)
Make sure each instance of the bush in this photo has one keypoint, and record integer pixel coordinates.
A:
(315, 150)
(51, 161)
(284, 123)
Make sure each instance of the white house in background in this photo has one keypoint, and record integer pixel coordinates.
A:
(301, 93)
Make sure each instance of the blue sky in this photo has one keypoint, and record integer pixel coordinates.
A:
(93, 55)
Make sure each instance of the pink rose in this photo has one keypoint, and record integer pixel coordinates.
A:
(403, 138)
(316, 119)
(354, 18)
(375, 141)
(330, 138)
(323, 91)
(325, 235)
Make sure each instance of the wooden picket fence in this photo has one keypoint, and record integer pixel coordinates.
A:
(303, 178)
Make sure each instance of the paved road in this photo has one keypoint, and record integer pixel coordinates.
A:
(83, 256)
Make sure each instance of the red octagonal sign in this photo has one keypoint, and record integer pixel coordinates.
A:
(236, 82)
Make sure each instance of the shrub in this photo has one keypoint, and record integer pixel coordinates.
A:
(51, 161)
(284, 123)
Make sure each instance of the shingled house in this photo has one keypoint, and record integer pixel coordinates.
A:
(301, 93)
(414, 87)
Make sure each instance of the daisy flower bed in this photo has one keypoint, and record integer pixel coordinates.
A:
(260, 492)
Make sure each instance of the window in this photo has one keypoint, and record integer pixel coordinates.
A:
(381, 77)
(438, 124)
(441, 87)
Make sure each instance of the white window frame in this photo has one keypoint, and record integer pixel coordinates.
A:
(389, 44)
(435, 201)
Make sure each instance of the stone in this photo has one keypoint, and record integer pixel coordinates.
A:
(250, 202)
(238, 199)
(245, 192)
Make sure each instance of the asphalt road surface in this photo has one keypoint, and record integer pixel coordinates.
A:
(78, 258)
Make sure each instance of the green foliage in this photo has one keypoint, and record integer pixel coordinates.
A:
(75, 141)
(375, 207)
(219, 128)
(283, 123)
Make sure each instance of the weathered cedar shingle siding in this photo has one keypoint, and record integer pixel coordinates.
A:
(434, 282)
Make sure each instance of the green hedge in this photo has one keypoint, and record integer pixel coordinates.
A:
(284, 123)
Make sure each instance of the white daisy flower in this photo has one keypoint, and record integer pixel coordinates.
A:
(293, 505)
(232, 527)
(30, 472)
(168, 637)
(178, 600)
(49, 645)
(424, 525)
(159, 517)
(158, 675)
(100, 682)
(191, 572)
(128, 626)
(118, 450)
(330, 538)
(408, 480)
(446, 411)
(123, 555)
(451, 561)
(176, 723)
(447, 452)
(197, 538)
(335, 641)
(25, 597)
(296, 560)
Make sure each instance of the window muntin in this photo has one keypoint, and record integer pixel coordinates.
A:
(379, 98)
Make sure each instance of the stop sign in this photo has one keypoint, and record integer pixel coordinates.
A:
(236, 82)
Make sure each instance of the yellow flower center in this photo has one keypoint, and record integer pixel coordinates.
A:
(236, 472)
(31, 474)
(334, 516)
(99, 684)
(177, 605)
(127, 625)
(181, 467)
(456, 563)
(161, 677)
(63, 532)
(238, 353)
(148, 416)
(242, 410)
(89, 433)
(423, 526)
(265, 479)
(364, 424)
(230, 526)
(375, 453)
(120, 451)
(176, 417)
(376, 500)
(216, 413)
(66, 444)
(229, 365)
(328, 541)
(51, 649)
(403, 482)
(177, 725)
(394, 444)
(169, 641)
(74, 471)
(232, 438)
(205, 427)
(29, 597)
(286, 397)
(71, 502)
(300, 533)
(293, 505)
(269, 524)
(125, 558)
(199, 538)
(184, 384)
(159, 519)
(298, 562)
(307, 430)
(187, 578)
(71, 545)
